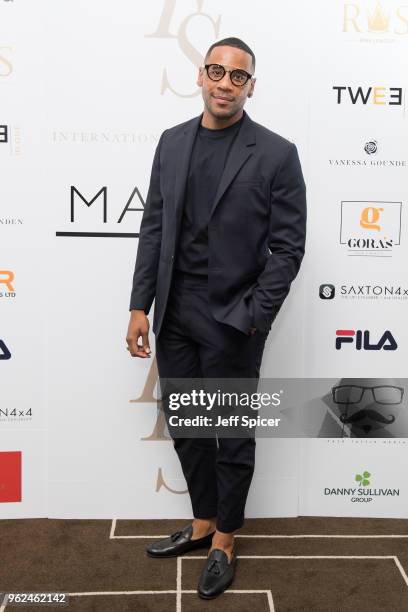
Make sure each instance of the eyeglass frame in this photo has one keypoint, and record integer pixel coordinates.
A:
(249, 76)
(363, 390)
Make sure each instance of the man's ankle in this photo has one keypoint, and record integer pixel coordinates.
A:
(223, 541)
(203, 527)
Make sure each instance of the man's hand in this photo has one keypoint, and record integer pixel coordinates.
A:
(138, 326)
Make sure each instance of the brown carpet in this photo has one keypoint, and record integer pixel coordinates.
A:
(104, 573)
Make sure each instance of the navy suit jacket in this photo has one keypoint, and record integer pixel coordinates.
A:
(256, 227)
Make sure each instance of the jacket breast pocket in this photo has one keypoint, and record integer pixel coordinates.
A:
(248, 201)
(242, 183)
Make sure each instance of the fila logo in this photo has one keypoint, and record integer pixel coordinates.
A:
(391, 96)
(362, 340)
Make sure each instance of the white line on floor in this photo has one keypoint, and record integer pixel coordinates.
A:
(303, 557)
(393, 557)
(178, 599)
(112, 535)
(401, 569)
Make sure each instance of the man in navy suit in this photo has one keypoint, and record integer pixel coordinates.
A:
(221, 240)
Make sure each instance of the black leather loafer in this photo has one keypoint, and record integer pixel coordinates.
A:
(178, 543)
(217, 574)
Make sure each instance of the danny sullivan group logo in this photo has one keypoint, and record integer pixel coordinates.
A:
(362, 490)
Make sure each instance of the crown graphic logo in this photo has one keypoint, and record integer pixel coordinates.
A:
(379, 21)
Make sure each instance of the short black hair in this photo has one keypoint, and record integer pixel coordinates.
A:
(233, 42)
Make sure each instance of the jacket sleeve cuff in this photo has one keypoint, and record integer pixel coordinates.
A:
(263, 319)
(139, 306)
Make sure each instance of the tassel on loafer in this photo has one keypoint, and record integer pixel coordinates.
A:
(217, 574)
(178, 543)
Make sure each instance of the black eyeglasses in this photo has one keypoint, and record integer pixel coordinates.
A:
(238, 76)
(353, 394)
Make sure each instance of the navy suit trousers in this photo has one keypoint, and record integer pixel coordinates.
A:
(192, 344)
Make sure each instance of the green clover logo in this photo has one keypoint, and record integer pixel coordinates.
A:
(363, 478)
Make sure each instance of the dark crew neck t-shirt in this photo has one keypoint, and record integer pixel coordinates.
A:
(209, 156)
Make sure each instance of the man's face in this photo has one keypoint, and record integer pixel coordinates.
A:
(222, 98)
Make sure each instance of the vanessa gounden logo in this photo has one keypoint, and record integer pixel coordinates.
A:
(371, 159)
(371, 147)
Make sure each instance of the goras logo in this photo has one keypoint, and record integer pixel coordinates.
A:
(363, 478)
(370, 228)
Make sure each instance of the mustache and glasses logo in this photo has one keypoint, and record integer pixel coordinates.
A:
(352, 395)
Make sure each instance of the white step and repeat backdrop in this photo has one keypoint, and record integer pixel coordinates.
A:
(86, 88)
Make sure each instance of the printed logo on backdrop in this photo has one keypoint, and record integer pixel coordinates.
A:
(179, 35)
(327, 292)
(374, 95)
(375, 22)
(371, 157)
(360, 408)
(15, 415)
(365, 340)
(370, 229)
(373, 291)
(158, 433)
(6, 286)
(6, 66)
(10, 139)
(4, 134)
(5, 221)
(363, 491)
(10, 476)
(90, 214)
(81, 137)
(371, 147)
(4, 350)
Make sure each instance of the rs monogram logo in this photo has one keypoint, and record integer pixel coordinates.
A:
(181, 36)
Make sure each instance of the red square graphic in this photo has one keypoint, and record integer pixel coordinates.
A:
(10, 476)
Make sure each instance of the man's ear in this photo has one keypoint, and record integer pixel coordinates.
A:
(200, 76)
(252, 87)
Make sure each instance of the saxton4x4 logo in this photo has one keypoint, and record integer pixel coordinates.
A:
(362, 491)
(370, 228)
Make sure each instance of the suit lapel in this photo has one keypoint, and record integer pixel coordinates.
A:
(240, 152)
(238, 155)
(184, 154)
